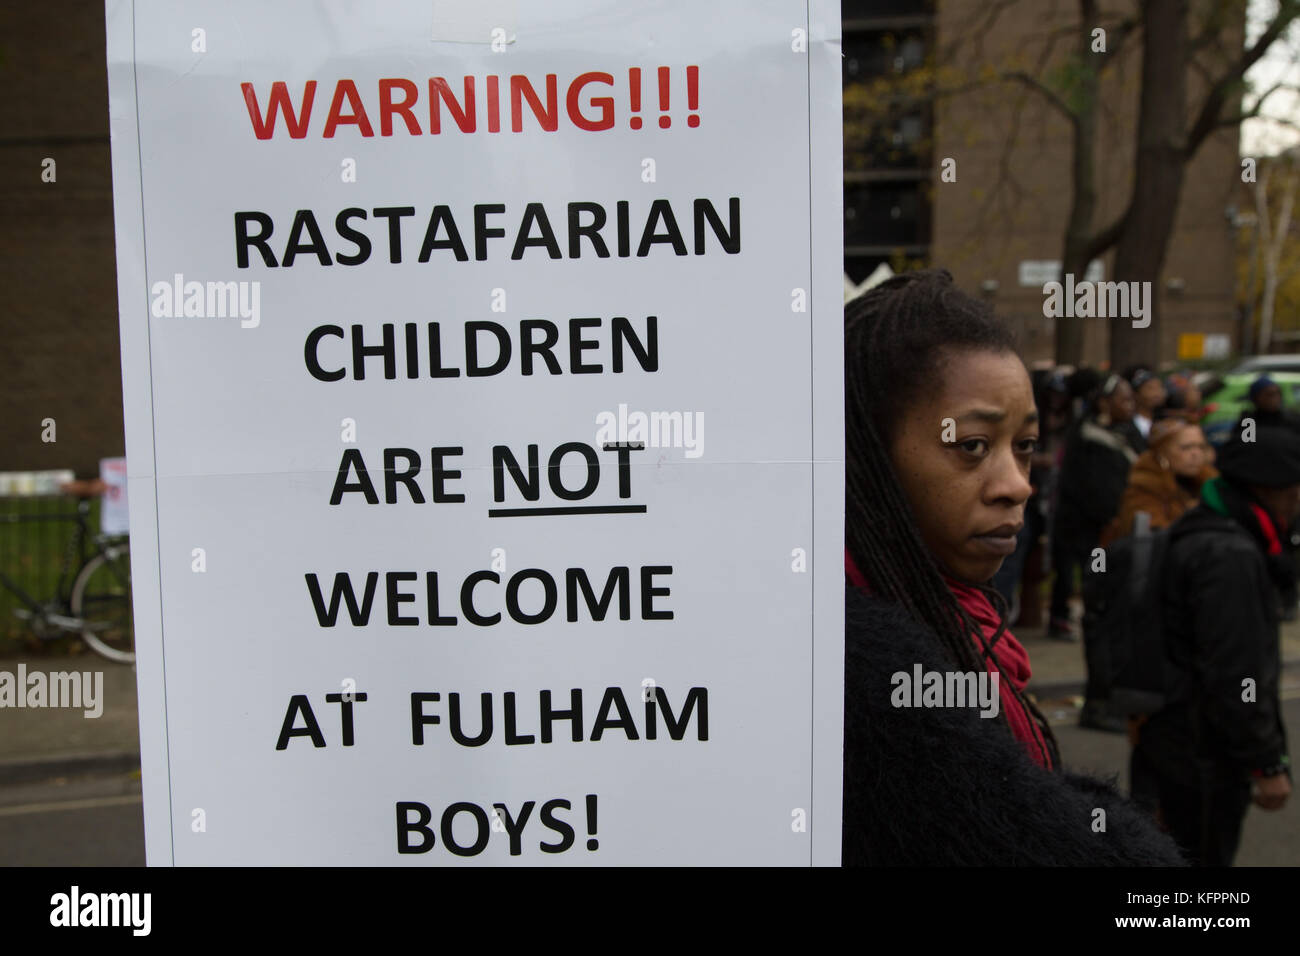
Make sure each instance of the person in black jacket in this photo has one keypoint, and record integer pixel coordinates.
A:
(1094, 473)
(1149, 395)
(1099, 453)
(1266, 408)
(940, 429)
(1221, 729)
(945, 787)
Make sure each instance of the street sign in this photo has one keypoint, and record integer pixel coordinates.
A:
(1039, 272)
(1191, 345)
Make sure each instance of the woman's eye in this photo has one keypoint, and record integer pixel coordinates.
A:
(973, 446)
(1028, 446)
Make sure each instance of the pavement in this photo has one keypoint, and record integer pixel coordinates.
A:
(43, 743)
(1058, 669)
(40, 744)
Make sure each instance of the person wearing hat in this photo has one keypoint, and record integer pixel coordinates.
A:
(1149, 394)
(1166, 479)
(1266, 400)
(1219, 742)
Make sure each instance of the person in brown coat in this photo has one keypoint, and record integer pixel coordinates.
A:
(1166, 478)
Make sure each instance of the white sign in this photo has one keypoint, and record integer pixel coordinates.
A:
(37, 483)
(484, 401)
(1217, 345)
(1039, 272)
(113, 512)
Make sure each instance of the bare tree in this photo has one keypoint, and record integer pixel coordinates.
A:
(1187, 47)
(1273, 234)
(1166, 141)
(1082, 242)
(1178, 43)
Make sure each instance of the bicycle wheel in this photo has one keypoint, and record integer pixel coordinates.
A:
(101, 598)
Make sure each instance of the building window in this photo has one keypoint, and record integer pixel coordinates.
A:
(888, 135)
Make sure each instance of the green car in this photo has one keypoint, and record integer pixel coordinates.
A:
(1231, 399)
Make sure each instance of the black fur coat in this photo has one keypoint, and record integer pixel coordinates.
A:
(945, 787)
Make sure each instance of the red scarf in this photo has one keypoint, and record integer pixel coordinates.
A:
(855, 576)
(1010, 653)
(1274, 546)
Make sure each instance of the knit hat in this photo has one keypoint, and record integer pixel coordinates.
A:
(1259, 385)
(1272, 460)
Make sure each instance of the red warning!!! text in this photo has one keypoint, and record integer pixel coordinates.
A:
(592, 101)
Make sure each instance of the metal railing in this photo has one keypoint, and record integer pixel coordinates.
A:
(40, 551)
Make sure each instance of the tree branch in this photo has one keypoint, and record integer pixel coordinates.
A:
(1116, 36)
(1042, 90)
(1275, 120)
(1207, 119)
(1103, 240)
(1211, 29)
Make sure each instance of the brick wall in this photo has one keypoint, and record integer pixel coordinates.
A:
(59, 353)
(1011, 199)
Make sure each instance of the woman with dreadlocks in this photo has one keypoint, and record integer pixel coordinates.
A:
(940, 428)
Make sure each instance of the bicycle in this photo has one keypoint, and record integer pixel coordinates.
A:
(97, 606)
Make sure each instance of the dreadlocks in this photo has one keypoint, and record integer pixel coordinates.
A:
(895, 337)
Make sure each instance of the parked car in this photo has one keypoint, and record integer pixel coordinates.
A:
(1262, 364)
(1231, 397)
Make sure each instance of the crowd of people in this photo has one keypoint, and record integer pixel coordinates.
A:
(943, 530)
(1111, 446)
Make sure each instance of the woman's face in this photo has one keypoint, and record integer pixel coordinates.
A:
(1120, 404)
(962, 456)
(1188, 452)
(1151, 396)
